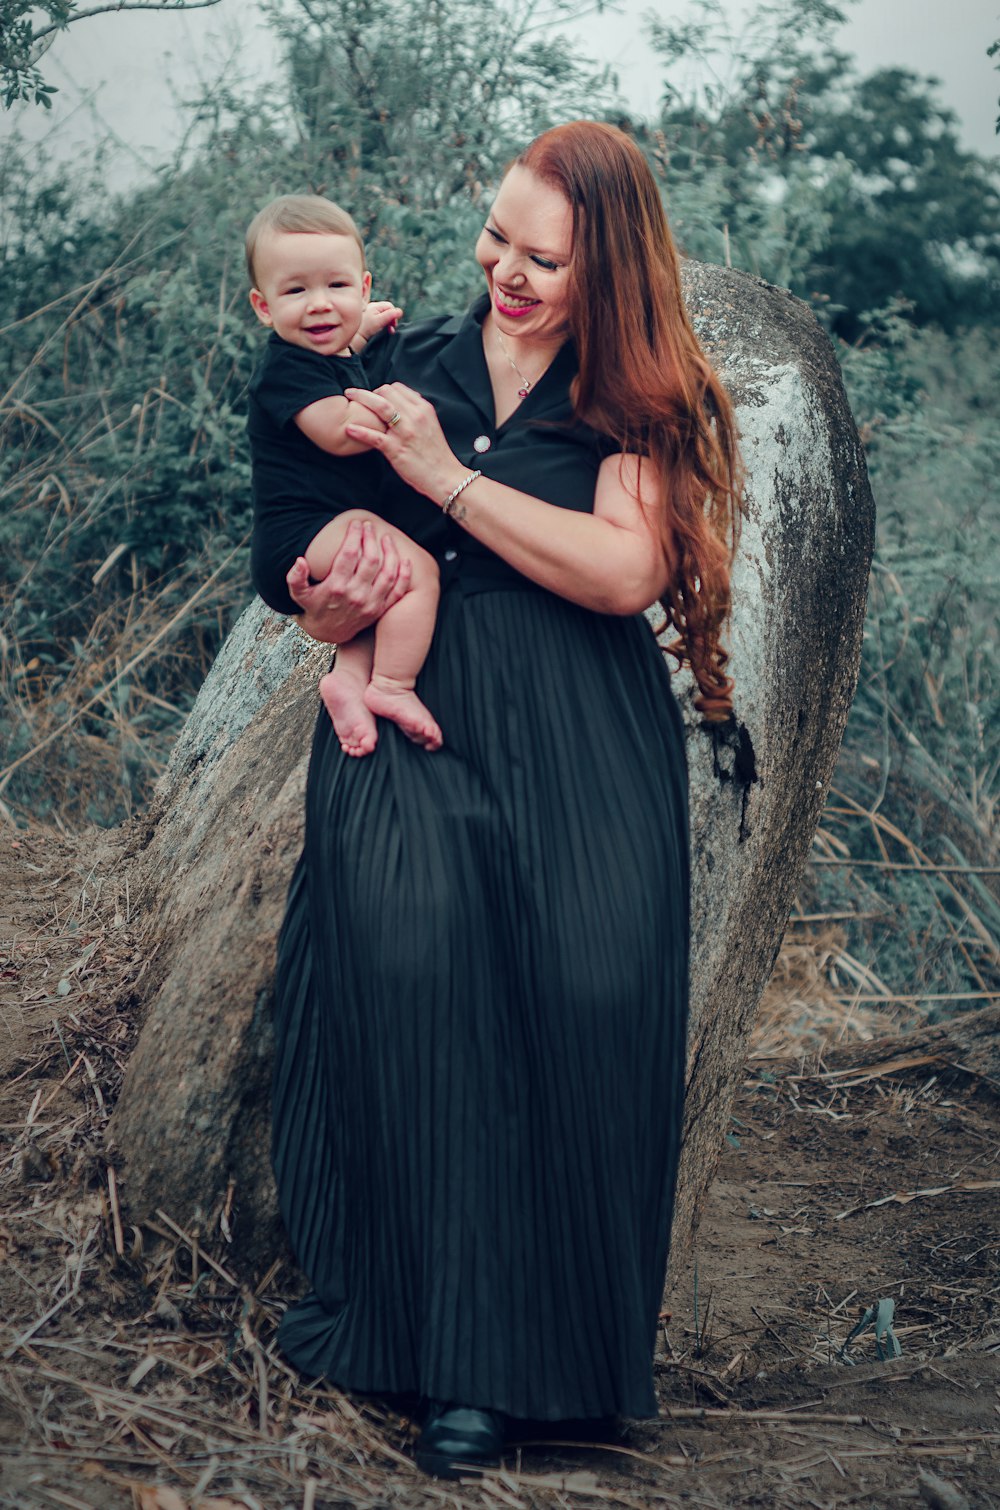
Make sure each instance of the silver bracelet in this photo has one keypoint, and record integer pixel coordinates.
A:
(448, 507)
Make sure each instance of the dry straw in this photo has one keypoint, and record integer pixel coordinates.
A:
(140, 1367)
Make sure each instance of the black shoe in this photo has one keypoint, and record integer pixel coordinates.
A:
(457, 1440)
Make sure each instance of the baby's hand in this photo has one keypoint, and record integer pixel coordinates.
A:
(381, 314)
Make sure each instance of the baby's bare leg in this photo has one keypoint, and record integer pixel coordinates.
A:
(402, 639)
(343, 694)
(325, 544)
(343, 688)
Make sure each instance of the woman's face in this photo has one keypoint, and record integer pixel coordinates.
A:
(525, 249)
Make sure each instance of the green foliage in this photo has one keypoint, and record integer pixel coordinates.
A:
(918, 776)
(851, 191)
(26, 35)
(408, 114)
(124, 474)
(124, 478)
(20, 78)
(919, 215)
(776, 157)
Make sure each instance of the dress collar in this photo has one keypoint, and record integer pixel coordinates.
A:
(465, 362)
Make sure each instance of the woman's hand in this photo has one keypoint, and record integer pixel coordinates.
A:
(365, 578)
(413, 442)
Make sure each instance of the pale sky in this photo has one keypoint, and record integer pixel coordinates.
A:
(120, 74)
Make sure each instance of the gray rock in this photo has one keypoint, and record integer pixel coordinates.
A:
(213, 856)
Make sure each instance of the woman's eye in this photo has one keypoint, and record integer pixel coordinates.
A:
(550, 267)
(495, 234)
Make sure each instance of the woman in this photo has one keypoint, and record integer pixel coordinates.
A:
(482, 981)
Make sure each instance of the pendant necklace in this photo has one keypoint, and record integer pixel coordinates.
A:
(526, 383)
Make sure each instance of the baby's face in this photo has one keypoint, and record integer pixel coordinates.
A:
(312, 289)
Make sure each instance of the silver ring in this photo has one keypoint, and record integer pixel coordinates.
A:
(394, 419)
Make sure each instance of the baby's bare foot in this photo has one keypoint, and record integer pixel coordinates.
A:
(344, 700)
(404, 708)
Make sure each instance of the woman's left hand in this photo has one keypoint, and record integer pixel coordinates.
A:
(413, 442)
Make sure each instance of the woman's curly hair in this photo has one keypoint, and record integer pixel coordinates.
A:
(645, 381)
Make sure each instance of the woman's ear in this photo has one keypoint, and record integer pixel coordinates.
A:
(259, 306)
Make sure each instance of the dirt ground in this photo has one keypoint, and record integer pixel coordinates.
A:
(137, 1368)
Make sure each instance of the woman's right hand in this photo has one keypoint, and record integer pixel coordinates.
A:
(366, 577)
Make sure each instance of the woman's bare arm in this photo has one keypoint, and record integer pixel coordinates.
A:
(611, 561)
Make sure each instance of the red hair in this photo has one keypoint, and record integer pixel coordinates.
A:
(645, 381)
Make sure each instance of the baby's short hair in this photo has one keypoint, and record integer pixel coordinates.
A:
(299, 212)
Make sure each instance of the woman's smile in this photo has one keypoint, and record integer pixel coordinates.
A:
(511, 304)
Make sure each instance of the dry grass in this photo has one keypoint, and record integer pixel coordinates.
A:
(116, 590)
(138, 1367)
(94, 733)
(803, 1010)
(821, 995)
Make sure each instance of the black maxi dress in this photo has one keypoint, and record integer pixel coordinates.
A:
(483, 971)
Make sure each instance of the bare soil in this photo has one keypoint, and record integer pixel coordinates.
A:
(138, 1368)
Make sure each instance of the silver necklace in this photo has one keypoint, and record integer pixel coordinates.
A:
(526, 383)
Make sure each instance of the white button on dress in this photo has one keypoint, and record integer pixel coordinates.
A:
(481, 443)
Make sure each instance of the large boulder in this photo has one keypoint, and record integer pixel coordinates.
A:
(212, 857)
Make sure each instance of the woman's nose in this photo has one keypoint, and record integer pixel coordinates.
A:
(509, 269)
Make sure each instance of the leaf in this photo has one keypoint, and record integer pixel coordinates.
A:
(879, 1317)
(142, 1369)
(82, 960)
(157, 1497)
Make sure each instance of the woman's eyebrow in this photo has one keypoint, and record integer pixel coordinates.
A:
(538, 251)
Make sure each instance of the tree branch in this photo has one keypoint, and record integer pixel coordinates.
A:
(114, 5)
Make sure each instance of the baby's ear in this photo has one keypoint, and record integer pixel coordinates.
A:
(259, 305)
(366, 286)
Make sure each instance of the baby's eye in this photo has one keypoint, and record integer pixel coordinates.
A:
(337, 283)
(549, 266)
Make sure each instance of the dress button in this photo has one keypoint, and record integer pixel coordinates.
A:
(481, 443)
(451, 555)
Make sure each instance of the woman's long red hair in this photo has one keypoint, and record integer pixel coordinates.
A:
(644, 379)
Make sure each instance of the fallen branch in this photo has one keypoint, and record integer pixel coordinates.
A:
(904, 1197)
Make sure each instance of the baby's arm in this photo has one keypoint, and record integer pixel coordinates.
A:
(324, 421)
(380, 314)
(324, 424)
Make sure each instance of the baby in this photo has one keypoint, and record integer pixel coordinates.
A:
(311, 288)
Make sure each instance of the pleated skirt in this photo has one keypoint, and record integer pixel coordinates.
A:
(480, 1024)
